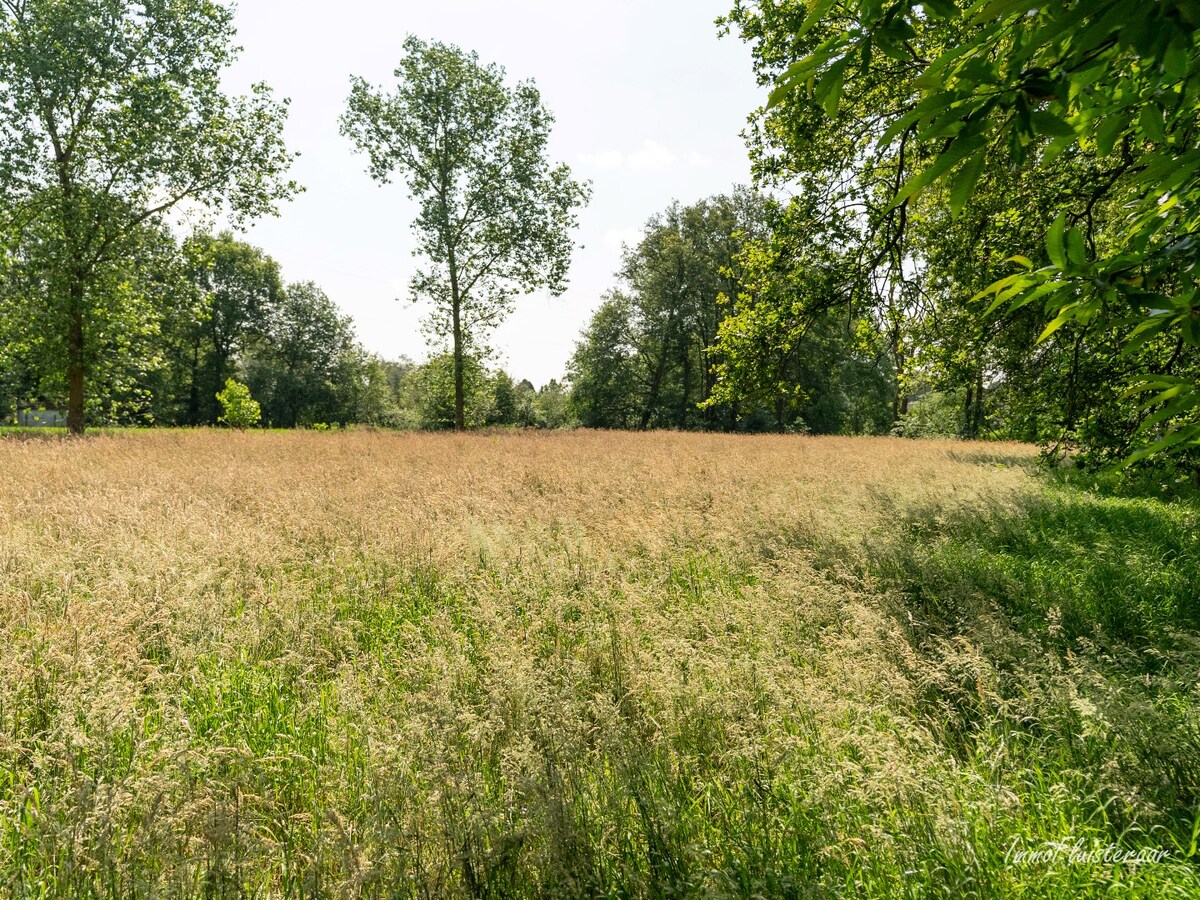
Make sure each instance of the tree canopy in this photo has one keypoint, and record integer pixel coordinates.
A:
(495, 215)
(111, 114)
(1102, 90)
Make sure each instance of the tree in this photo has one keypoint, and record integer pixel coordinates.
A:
(137, 295)
(648, 358)
(111, 115)
(551, 405)
(798, 341)
(603, 369)
(495, 216)
(310, 367)
(239, 288)
(238, 409)
(1106, 82)
(435, 392)
(677, 273)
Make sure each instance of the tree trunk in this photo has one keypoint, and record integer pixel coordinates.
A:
(220, 364)
(460, 417)
(899, 400)
(977, 425)
(193, 413)
(75, 372)
(460, 404)
(685, 361)
(969, 413)
(655, 385)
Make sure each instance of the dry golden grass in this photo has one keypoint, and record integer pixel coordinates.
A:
(371, 664)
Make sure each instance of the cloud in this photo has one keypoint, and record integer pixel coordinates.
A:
(605, 159)
(650, 157)
(615, 239)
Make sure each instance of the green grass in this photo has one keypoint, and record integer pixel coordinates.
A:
(1058, 642)
(884, 709)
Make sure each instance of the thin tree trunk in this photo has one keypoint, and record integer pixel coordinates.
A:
(969, 413)
(460, 412)
(193, 415)
(655, 385)
(460, 418)
(685, 360)
(1073, 386)
(977, 425)
(75, 373)
(216, 385)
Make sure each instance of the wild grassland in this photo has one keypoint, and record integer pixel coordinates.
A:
(581, 664)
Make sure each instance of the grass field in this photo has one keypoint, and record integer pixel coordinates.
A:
(588, 664)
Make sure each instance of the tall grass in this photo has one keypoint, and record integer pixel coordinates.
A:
(593, 665)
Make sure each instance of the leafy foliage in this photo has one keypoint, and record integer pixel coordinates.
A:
(496, 217)
(238, 409)
(238, 291)
(1109, 83)
(306, 370)
(111, 115)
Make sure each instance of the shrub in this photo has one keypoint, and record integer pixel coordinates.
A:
(238, 409)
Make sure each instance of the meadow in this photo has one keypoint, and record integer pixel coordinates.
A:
(589, 664)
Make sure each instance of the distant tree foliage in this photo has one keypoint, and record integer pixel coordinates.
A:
(128, 328)
(215, 304)
(112, 114)
(495, 216)
(238, 409)
(716, 326)
(239, 291)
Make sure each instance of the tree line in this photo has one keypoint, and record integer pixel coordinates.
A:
(214, 307)
(1007, 189)
(965, 218)
(113, 120)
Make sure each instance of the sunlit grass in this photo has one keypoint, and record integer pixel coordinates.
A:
(585, 664)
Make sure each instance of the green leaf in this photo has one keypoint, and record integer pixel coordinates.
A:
(965, 181)
(1076, 249)
(1144, 333)
(797, 72)
(1151, 122)
(999, 9)
(1189, 435)
(816, 12)
(828, 91)
(1051, 125)
(1179, 407)
(1055, 248)
(940, 9)
(963, 146)
(998, 286)
(1175, 61)
(1142, 384)
(1068, 313)
(1056, 147)
(931, 104)
(1111, 128)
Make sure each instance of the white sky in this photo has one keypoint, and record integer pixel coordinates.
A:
(649, 105)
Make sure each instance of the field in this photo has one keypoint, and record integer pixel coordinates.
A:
(589, 664)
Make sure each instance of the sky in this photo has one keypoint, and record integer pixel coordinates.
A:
(649, 105)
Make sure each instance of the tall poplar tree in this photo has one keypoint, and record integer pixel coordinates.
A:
(495, 215)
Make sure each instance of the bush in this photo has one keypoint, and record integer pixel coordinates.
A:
(238, 409)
